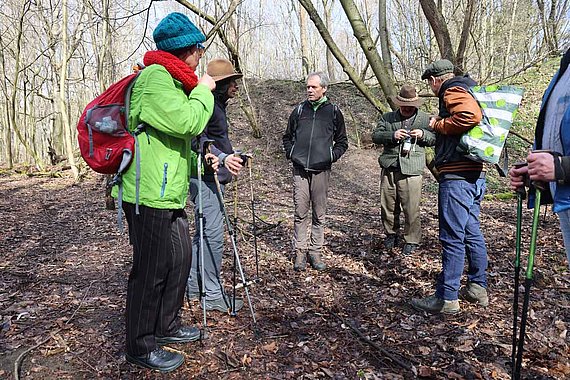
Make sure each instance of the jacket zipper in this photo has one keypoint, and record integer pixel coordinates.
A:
(311, 139)
(164, 179)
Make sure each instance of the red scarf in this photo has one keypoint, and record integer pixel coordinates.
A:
(174, 65)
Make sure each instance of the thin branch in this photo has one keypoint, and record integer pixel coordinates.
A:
(20, 358)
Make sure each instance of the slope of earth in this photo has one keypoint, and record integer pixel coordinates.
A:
(64, 268)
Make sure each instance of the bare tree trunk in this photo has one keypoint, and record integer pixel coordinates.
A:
(348, 69)
(467, 21)
(491, 40)
(62, 92)
(5, 114)
(509, 39)
(552, 25)
(327, 5)
(439, 27)
(14, 101)
(368, 46)
(384, 37)
(104, 62)
(545, 27)
(304, 42)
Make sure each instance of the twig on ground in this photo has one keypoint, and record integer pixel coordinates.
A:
(87, 364)
(384, 352)
(23, 354)
(20, 358)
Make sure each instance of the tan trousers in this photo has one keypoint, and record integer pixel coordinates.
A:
(310, 190)
(399, 191)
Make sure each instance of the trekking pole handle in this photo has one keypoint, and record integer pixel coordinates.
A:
(521, 190)
(204, 148)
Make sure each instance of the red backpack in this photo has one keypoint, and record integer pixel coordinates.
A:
(105, 142)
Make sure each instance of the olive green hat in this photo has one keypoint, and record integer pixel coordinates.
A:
(438, 68)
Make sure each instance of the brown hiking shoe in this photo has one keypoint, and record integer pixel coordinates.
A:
(435, 305)
(317, 262)
(300, 261)
(475, 293)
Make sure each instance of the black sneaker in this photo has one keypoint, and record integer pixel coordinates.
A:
(158, 360)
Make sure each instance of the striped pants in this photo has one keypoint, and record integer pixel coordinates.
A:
(162, 254)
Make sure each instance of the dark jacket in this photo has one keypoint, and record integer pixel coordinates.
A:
(562, 194)
(315, 139)
(217, 130)
(408, 164)
(459, 113)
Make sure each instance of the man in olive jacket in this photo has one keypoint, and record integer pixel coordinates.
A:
(404, 134)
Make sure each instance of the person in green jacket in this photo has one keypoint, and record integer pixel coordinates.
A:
(170, 105)
(404, 134)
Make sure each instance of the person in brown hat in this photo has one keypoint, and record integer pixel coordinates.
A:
(223, 73)
(404, 134)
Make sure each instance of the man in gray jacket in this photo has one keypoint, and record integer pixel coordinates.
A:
(404, 134)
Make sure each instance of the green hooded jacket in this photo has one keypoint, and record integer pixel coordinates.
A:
(166, 158)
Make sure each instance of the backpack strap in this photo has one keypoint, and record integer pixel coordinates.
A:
(335, 111)
(299, 111)
(127, 156)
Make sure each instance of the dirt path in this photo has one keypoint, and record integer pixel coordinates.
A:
(64, 267)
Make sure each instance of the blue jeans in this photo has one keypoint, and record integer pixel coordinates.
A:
(459, 205)
(564, 217)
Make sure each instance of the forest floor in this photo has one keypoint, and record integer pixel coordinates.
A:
(64, 267)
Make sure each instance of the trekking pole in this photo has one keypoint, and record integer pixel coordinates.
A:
(233, 312)
(202, 147)
(521, 195)
(253, 225)
(528, 279)
(255, 232)
(236, 255)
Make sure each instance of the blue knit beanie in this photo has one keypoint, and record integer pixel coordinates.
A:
(176, 31)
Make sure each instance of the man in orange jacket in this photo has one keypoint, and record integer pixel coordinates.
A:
(461, 189)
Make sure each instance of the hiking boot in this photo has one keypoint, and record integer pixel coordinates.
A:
(316, 261)
(435, 305)
(390, 241)
(300, 261)
(409, 248)
(223, 304)
(475, 293)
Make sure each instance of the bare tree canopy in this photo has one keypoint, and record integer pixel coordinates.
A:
(52, 67)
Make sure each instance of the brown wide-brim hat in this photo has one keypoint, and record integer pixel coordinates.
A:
(220, 69)
(407, 97)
